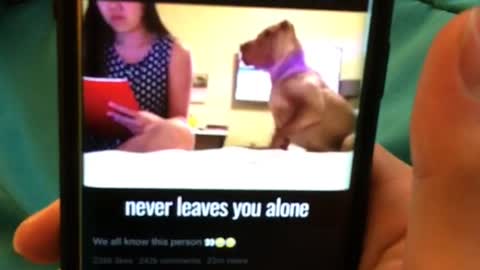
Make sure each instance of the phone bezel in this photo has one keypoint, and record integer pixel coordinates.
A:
(68, 16)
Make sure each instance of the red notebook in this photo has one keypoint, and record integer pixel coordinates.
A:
(97, 92)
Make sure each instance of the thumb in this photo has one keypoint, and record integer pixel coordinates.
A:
(38, 237)
(444, 228)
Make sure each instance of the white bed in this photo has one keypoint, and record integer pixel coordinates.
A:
(226, 168)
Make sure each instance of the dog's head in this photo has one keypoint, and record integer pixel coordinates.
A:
(271, 46)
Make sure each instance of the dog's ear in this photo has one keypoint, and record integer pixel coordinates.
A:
(285, 24)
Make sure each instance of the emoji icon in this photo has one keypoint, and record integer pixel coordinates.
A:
(209, 242)
(231, 242)
(220, 242)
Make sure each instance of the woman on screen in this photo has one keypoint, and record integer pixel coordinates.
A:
(128, 40)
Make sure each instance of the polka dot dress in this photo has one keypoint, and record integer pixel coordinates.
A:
(148, 80)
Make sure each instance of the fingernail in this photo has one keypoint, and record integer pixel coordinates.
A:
(470, 54)
(17, 247)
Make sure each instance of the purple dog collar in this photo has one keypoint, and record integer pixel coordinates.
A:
(292, 65)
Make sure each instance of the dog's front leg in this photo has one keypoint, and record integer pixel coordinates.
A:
(279, 141)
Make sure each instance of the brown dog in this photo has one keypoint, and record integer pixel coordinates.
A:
(305, 111)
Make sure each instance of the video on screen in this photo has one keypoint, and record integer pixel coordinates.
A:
(178, 91)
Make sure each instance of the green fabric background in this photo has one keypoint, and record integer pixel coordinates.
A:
(28, 118)
(413, 28)
(28, 102)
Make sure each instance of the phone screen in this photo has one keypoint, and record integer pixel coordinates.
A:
(219, 133)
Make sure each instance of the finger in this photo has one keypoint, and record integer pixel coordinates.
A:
(444, 232)
(38, 237)
(130, 123)
(122, 109)
(388, 210)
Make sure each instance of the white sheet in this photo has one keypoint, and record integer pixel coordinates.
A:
(229, 168)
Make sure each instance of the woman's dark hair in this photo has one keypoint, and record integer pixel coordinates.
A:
(98, 35)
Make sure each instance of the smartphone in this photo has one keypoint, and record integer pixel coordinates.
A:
(225, 197)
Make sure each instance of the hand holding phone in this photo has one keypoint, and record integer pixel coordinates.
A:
(37, 238)
(212, 206)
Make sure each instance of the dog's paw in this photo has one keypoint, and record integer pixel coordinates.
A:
(297, 148)
(348, 143)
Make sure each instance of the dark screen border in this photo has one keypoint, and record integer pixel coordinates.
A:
(67, 14)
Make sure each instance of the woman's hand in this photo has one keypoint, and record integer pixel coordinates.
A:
(137, 122)
(172, 133)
